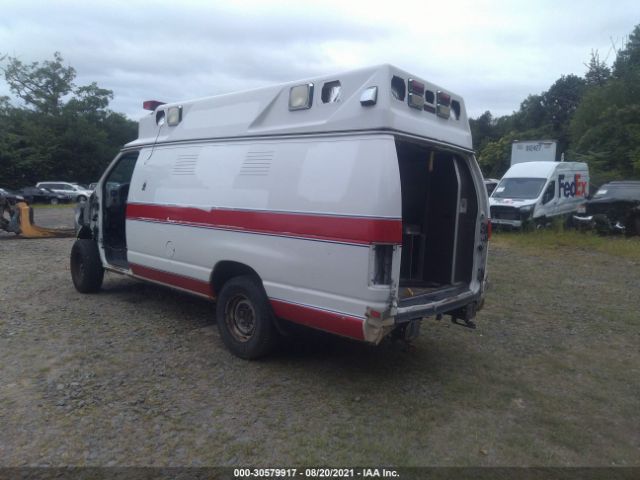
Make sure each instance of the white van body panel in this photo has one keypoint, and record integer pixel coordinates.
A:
(570, 183)
(297, 177)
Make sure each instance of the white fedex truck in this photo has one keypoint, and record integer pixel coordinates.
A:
(350, 203)
(538, 191)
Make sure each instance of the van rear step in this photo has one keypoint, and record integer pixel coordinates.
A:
(429, 295)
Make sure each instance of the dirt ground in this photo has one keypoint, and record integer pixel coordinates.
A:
(137, 374)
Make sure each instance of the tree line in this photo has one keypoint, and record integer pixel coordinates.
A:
(595, 119)
(61, 131)
(54, 129)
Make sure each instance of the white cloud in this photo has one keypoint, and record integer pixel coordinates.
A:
(492, 53)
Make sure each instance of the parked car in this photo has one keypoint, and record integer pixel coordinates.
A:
(44, 195)
(491, 184)
(11, 196)
(615, 208)
(75, 191)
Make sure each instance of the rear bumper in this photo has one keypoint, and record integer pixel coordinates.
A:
(428, 305)
(584, 220)
(600, 222)
(415, 308)
(506, 223)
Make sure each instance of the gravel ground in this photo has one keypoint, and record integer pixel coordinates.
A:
(137, 374)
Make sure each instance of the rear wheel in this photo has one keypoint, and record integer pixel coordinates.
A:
(245, 319)
(86, 267)
(568, 222)
(633, 224)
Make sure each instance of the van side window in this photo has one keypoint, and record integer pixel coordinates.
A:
(550, 192)
(116, 185)
(123, 171)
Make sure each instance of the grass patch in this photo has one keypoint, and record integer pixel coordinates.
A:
(39, 206)
(558, 240)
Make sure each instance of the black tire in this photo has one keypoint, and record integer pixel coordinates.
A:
(86, 267)
(633, 224)
(53, 201)
(245, 319)
(568, 222)
(81, 198)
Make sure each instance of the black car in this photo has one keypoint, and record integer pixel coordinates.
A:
(615, 208)
(11, 196)
(43, 195)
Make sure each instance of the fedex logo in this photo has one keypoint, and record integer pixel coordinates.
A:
(575, 188)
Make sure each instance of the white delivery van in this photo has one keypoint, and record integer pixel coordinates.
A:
(350, 203)
(538, 191)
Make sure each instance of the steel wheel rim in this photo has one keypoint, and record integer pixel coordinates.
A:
(240, 317)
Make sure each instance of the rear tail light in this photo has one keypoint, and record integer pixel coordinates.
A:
(374, 313)
(382, 263)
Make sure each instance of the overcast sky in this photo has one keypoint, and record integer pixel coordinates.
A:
(493, 53)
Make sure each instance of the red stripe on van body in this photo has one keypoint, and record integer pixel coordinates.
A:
(337, 323)
(322, 227)
(172, 279)
(332, 322)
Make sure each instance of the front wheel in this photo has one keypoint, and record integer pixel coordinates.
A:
(245, 319)
(81, 199)
(87, 272)
(53, 201)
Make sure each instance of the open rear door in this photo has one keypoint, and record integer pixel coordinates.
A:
(439, 214)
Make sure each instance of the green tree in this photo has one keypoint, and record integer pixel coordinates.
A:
(532, 114)
(41, 86)
(495, 157)
(595, 119)
(61, 131)
(605, 130)
(482, 130)
(628, 58)
(597, 71)
(560, 103)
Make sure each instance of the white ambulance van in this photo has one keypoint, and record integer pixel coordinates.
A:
(536, 192)
(350, 203)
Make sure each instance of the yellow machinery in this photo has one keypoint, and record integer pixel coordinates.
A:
(20, 222)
